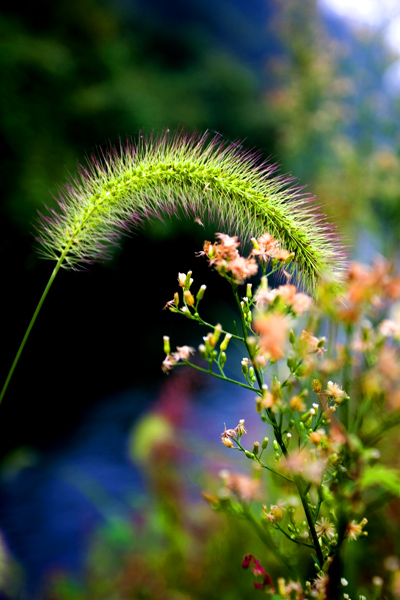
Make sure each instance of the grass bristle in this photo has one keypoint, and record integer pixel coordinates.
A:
(204, 177)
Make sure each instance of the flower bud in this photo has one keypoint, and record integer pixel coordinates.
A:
(212, 499)
(315, 438)
(200, 293)
(307, 417)
(176, 299)
(292, 337)
(256, 448)
(290, 258)
(245, 366)
(282, 587)
(227, 441)
(188, 280)
(264, 443)
(225, 342)
(317, 386)
(216, 334)
(222, 359)
(249, 290)
(167, 347)
(203, 351)
(252, 342)
(259, 405)
(328, 412)
(189, 298)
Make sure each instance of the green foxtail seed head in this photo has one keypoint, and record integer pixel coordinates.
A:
(202, 177)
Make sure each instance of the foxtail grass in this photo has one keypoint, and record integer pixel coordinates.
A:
(199, 176)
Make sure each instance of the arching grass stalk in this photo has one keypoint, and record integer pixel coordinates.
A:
(200, 176)
(31, 324)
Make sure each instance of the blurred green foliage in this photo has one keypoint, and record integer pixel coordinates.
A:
(173, 546)
(80, 74)
(336, 122)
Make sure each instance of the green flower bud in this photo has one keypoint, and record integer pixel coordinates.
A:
(203, 351)
(300, 371)
(200, 293)
(259, 405)
(245, 367)
(264, 443)
(167, 346)
(252, 376)
(225, 341)
(216, 334)
(222, 359)
(188, 280)
(290, 258)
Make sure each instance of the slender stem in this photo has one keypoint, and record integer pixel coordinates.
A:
(245, 339)
(209, 372)
(310, 521)
(266, 538)
(278, 436)
(295, 541)
(346, 379)
(32, 322)
(263, 465)
(320, 500)
(202, 322)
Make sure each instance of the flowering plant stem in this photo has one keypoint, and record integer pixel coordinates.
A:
(223, 377)
(278, 435)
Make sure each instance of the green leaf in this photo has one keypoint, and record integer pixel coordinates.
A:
(385, 477)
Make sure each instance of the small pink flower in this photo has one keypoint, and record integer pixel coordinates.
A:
(273, 330)
(243, 486)
(389, 328)
(183, 353)
(168, 363)
(298, 302)
(301, 303)
(242, 268)
(311, 343)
